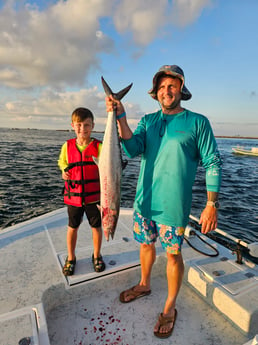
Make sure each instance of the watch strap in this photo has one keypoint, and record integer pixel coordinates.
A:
(214, 204)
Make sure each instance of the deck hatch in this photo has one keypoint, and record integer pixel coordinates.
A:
(19, 325)
(118, 256)
(227, 274)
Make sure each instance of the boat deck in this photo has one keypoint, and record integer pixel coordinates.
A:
(217, 304)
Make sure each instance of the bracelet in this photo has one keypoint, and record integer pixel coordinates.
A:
(121, 115)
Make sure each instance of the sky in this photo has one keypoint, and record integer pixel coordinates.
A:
(54, 52)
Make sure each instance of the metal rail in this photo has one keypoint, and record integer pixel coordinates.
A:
(224, 233)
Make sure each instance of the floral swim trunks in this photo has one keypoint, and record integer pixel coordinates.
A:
(147, 231)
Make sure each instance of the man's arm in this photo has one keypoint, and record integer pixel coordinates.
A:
(211, 161)
(209, 216)
(123, 127)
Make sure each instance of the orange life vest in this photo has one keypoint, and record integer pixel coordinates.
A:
(83, 187)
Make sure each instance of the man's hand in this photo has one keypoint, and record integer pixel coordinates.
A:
(209, 219)
(113, 104)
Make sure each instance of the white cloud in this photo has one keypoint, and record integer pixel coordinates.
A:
(55, 108)
(185, 12)
(145, 20)
(52, 102)
(45, 51)
(57, 46)
(142, 19)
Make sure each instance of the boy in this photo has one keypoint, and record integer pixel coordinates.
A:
(82, 187)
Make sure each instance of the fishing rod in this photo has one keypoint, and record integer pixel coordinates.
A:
(251, 249)
(189, 231)
(223, 233)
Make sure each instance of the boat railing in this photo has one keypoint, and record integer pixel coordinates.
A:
(252, 248)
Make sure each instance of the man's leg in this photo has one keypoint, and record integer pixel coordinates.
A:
(145, 233)
(175, 272)
(147, 259)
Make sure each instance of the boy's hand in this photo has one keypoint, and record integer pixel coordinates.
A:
(66, 175)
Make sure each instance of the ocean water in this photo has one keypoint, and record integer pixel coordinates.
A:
(31, 184)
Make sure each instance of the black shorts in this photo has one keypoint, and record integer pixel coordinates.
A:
(75, 215)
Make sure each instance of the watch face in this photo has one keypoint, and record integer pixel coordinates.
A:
(216, 204)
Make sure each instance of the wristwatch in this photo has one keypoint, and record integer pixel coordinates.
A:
(214, 204)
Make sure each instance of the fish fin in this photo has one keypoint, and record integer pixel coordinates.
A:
(119, 95)
(107, 237)
(106, 87)
(95, 160)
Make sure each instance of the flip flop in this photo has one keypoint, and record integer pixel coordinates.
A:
(133, 294)
(164, 320)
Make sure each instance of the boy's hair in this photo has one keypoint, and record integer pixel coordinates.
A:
(80, 114)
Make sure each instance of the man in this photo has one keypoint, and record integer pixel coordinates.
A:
(171, 142)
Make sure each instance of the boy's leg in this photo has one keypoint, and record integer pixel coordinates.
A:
(97, 241)
(70, 262)
(71, 242)
(75, 215)
(97, 260)
(94, 218)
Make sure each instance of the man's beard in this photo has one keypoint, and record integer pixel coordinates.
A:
(171, 106)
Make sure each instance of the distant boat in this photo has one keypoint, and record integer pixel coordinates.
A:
(242, 151)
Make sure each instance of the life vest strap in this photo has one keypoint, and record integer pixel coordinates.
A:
(82, 182)
(83, 194)
(71, 185)
(78, 164)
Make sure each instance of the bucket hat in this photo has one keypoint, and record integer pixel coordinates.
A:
(174, 71)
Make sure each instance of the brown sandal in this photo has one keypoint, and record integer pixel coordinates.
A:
(164, 320)
(133, 293)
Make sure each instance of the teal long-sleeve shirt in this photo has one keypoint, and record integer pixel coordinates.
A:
(171, 147)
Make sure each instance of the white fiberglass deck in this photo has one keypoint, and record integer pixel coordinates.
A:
(38, 303)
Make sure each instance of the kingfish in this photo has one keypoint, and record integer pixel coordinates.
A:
(110, 169)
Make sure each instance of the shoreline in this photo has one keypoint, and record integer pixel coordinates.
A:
(234, 137)
(70, 130)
